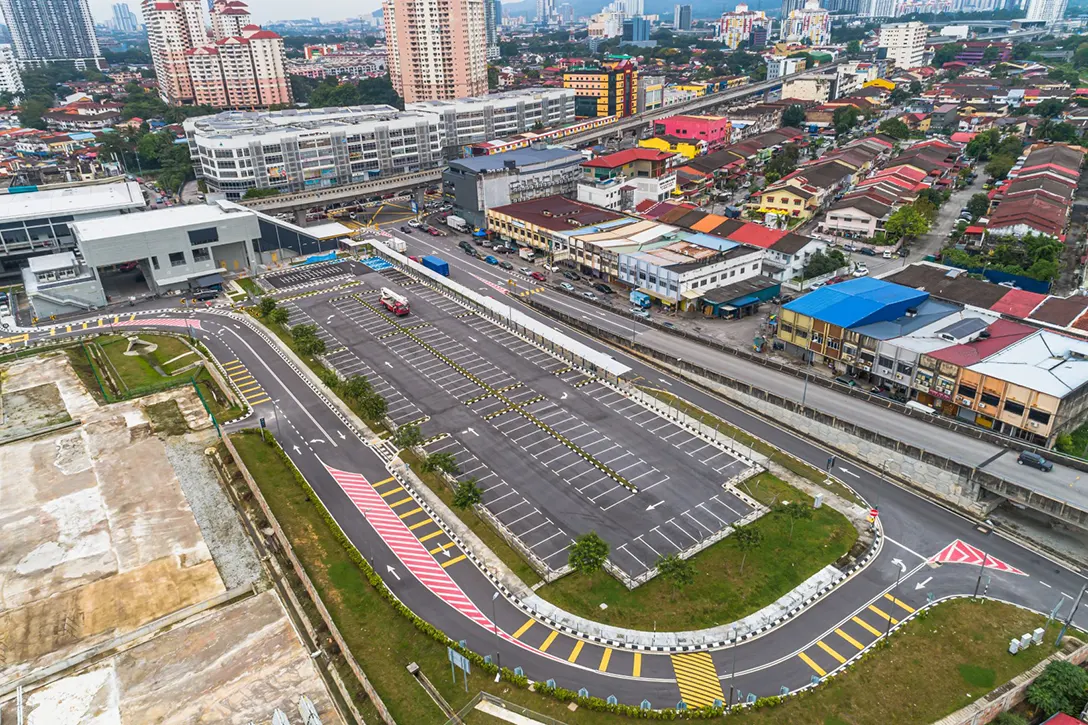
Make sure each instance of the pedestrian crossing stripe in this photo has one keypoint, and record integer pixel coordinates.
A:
(833, 653)
(406, 499)
(428, 537)
(808, 661)
(384, 481)
(605, 659)
(898, 603)
(249, 388)
(524, 628)
(636, 668)
(884, 615)
(548, 642)
(849, 639)
(576, 651)
(866, 626)
(697, 679)
(265, 399)
(392, 491)
(424, 522)
(416, 510)
(453, 561)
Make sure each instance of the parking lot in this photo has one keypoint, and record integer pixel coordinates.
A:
(548, 443)
(308, 274)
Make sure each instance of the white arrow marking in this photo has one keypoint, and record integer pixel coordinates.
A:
(473, 339)
(393, 572)
(388, 364)
(446, 552)
(297, 449)
(899, 563)
(652, 506)
(341, 434)
(329, 317)
(563, 396)
(851, 473)
(922, 584)
(318, 440)
(585, 317)
(469, 430)
(665, 381)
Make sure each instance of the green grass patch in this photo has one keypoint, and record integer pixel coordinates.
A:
(745, 440)
(721, 592)
(383, 641)
(481, 528)
(920, 676)
(250, 285)
(131, 372)
(166, 418)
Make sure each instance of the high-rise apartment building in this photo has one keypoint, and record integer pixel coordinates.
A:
(611, 90)
(811, 22)
(905, 43)
(735, 28)
(681, 17)
(636, 29)
(492, 16)
(52, 31)
(788, 6)
(10, 80)
(241, 66)
(545, 11)
(1049, 11)
(437, 48)
(124, 19)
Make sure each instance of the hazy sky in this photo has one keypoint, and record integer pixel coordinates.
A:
(265, 11)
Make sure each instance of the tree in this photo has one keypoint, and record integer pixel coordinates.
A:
(467, 494)
(1050, 108)
(1021, 51)
(906, 221)
(356, 388)
(793, 116)
(821, 263)
(373, 406)
(441, 461)
(588, 553)
(1062, 687)
(1009, 718)
(946, 54)
(895, 128)
(278, 316)
(844, 119)
(492, 78)
(748, 538)
(991, 54)
(30, 114)
(978, 205)
(853, 47)
(306, 339)
(681, 571)
(265, 306)
(256, 193)
(796, 511)
(999, 167)
(407, 436)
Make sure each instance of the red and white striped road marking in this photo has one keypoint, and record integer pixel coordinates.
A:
(164, 322)
(960, 552)
(405, 545)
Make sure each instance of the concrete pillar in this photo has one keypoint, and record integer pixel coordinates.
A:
(300, 217)
(419, 194)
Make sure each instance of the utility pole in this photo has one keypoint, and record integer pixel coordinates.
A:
(982, 568)
(1069, 619)
(733, 675)
(895, 595)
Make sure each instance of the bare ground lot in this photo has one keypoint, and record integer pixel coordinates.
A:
(98, 538)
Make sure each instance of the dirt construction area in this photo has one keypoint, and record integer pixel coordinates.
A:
(98, 540)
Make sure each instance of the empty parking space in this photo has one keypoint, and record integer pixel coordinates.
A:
(307, 274)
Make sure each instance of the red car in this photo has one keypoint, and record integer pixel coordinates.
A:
(538, 276)
(434, 232)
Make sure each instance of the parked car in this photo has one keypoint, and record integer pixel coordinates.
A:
(413, 222)
(491, 260)
(849, 248)
(589, 295)
(887, 255)
(465, 246)
(435, 233)
(604, 289)
(538, 276)
(406, 230)
(861, 271)
(566, 286)
(669, 325)
(506, 265)
(904, 251)
(525, 270)
(843, 380)
(867, 252)
(639, 312)
(572, 276)
(1030, 458)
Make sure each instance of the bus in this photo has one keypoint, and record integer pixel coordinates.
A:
(397, 304)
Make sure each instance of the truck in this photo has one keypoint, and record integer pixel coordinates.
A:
(526, 253)
(399, 245)
(640, 299)
(395, 303)
(456, 223)
(437, 264)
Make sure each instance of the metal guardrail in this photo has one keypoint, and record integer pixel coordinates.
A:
(300, 199)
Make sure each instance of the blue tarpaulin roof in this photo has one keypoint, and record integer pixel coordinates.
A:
(858, 301)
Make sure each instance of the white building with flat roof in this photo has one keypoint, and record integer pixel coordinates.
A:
(303, 149)
(39, 222)
(905, 43)
(496, 115)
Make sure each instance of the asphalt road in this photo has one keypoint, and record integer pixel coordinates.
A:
(1061, 484)
(444, 588)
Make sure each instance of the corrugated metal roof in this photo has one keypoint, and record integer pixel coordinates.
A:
(858, 302)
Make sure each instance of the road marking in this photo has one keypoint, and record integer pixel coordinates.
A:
(392, 491)
(453, 561)
(605, 659)
(383, 481)
(884, 616)
(849, 639)
(577, 651)
(424, 522)
(406, 499)
(428, 537)
(901, 605)
(833, 653)
(866, 626)
(697, 679)
(524, 628)
(416, 510)
(548, 642)
(808, 661)
(906, 548)
(441, 547)
(636, 669)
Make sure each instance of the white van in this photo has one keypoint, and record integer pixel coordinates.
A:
(920, 407)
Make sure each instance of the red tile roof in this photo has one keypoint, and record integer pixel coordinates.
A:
(1002, 334)
(757, 235)
(1018, 303)
(626, 156)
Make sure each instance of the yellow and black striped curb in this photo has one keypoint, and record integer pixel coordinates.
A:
(584, 383)
(477, 399)
(516, 407)
(508, 388)
(466, 313)
(418, 421)
(562, 371)
(434, 439)
(497, 413)
(337, 351)
(416, 327)
(311, 293)
(388, 334)
(534, 399)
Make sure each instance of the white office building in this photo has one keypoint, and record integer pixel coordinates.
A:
(1048, 11)
(10, 80)
(780, 65)
(304, 149)
(905, 43)
(485, 118)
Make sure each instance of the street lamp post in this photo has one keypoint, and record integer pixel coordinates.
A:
(495, 629)
(895, 595)
(981, 569)
(733, 674)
